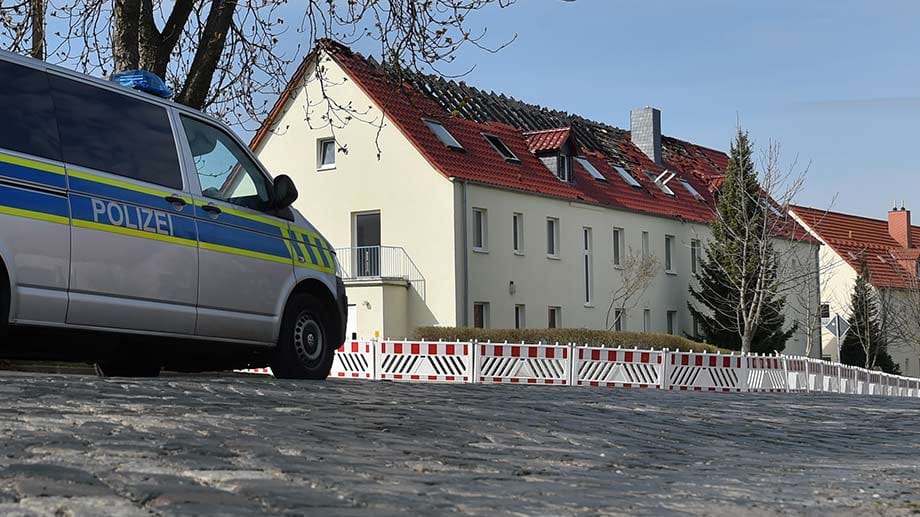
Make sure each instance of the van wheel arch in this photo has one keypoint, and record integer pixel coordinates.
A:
(318, 289)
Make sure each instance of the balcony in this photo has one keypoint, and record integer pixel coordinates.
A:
(369, 263)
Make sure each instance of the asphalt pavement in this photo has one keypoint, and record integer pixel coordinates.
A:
(236, 445)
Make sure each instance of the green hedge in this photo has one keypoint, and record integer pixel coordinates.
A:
(580, 336)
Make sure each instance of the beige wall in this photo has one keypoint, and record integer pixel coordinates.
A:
(540, 282)
(415, 201)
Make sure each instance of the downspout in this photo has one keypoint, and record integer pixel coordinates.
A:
(466, 261)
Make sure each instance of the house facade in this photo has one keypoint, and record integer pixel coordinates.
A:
(891, 250)
(452, 206)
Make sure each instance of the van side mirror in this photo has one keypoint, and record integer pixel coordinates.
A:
(285, 192)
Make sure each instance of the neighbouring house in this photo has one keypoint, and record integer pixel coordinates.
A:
(891, 250)
(451, 205)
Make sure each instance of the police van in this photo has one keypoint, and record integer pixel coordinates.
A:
(138, 221)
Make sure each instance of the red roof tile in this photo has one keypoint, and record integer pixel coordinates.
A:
(547, 139)
(853, 237)
(479, 112)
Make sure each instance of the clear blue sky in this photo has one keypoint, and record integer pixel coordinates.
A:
(836, 82)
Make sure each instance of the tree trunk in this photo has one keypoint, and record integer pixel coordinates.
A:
(747, 338)
(37, 8)
(201, 72)
(125, 34)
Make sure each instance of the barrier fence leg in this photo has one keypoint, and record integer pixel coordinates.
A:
(744, 385)
(375, 360)
(475, 361)
(663, 371)
(570, 366)
(785, 372)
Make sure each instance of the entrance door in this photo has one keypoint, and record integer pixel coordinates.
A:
(367, 244)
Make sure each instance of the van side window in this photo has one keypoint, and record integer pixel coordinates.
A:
(28, 114)
(115, 133)
(225, 171)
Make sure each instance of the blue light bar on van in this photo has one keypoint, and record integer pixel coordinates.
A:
(144, 81)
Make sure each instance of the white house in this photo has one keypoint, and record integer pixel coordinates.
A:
(454, 206)
(891, 250)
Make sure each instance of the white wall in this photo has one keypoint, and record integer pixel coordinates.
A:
(414, 200)
(541, 282)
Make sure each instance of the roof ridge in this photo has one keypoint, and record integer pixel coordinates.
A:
(566, 128)
(845, 214)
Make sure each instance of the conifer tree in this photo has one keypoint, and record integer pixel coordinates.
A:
(739, 300)
(865, 345)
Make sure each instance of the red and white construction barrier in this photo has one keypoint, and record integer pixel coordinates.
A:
(568, 364)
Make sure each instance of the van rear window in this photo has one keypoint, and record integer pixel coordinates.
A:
(28, 114)
(107, 131)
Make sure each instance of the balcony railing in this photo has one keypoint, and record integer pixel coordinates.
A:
(380, 263)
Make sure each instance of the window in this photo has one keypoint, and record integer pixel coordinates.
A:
(693, 192)
(619, 319)
(672, 322)
(564, 167)
(325, 153)
(225, 171)
(646, 320)
(696, 327)
(825, 310)
(668, 252)
(519, 322)
(661, 181)
(554, 317)
(443, 134)
(627, 177)
(552, 237)
(588, 265)
(618, 245)
(115, 133)
(28, 112)
(695, 255)
(480, 230)
(645, 246)
(592, 170)
(501, 148)
(517, 232)
(481, 315)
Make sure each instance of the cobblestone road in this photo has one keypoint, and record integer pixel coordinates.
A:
(235, 445)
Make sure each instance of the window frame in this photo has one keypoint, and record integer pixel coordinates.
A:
(320, 144)
(554, 317)
(669, 241)
(500, 147)
(517, 233)
(646, 245)
(646, 320)
(695, 249)
(627, 177)
(520, 316)
(591, 169)
(619, 242)
(453, 144)
(484, 315)
(192, 170)
(483, 246)
(619, 319)
(554, 254)
(564, 168)
(588, 264)
(671, 322)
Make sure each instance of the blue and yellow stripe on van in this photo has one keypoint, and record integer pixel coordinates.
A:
(103, 186)
(33, 204)
(33, 171)
(316, 250)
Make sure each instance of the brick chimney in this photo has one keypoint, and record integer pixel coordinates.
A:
(645, 131)
(899, 226)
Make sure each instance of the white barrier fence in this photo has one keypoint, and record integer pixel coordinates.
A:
(571, 365)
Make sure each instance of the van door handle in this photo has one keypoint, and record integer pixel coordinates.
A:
(175, 200)
(211, 209)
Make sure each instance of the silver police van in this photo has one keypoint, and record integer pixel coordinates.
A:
(134, 221)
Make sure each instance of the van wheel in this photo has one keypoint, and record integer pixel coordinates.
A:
(305, 348)
(5, 297)
(126, 369)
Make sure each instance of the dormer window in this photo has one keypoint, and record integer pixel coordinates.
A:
(443, 134)
(564, 167)
(501, 148)
(592, 170)
(627, 177)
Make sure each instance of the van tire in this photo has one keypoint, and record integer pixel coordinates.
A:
(125, 368)
(5, 299)
(306, 346)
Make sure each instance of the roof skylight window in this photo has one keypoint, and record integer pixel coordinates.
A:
(592, 170)
(501, 148)
(443, 134)
(627, 177)
(691, 189)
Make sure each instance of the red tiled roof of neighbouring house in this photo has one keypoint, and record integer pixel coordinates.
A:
(853, 237)
(525, 129)
(547, 139)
